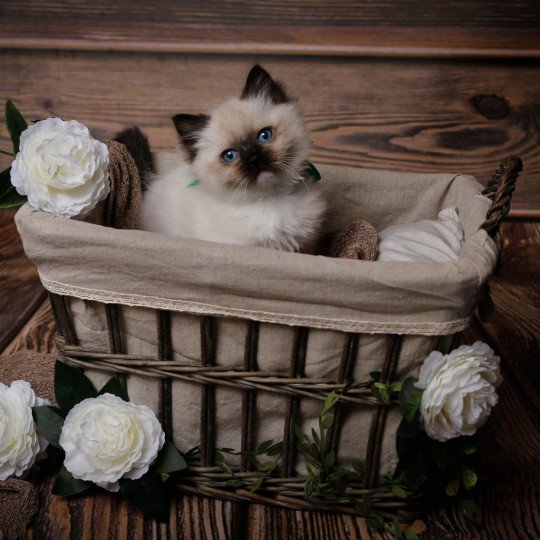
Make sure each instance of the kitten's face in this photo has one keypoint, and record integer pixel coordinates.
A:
(248, 146)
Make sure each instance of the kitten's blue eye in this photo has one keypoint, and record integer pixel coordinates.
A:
(265, 135)
(229, 155)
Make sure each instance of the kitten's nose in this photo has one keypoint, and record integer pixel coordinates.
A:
(253, 159)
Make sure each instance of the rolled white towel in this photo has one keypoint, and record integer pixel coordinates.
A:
(437, 240)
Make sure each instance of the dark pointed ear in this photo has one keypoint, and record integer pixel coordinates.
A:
(260, 83)
(189, 127)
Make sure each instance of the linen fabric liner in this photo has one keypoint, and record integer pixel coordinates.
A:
(141, 268)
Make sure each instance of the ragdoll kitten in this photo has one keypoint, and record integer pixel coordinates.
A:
(242, 179)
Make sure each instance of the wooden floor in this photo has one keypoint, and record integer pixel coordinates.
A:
(508, 493)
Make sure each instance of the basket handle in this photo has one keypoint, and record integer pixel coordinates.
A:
(499, 190)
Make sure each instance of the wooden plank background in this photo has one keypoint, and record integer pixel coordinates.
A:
(395, 84)
(404, 114)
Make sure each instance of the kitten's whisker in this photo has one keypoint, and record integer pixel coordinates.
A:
(295, 175)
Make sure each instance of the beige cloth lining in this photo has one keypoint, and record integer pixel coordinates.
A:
(142, 268)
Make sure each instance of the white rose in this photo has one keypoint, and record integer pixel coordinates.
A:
(20, 444)
(61, 168)
(106, 438)
(459, 390)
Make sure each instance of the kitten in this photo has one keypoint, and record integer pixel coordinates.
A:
(242, 179)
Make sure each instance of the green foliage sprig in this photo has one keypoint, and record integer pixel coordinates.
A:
(264, 460)
(15, 124)
(270, 451)
(148, 493)
(386, 392)
(321, 465)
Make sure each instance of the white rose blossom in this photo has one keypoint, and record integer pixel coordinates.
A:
(20, 443)
(106, 438)
(61, 168)
(459, 390)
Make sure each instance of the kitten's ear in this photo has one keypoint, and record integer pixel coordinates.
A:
(260, 83)
(189, 127)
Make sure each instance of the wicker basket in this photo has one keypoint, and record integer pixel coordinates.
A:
(249, 381)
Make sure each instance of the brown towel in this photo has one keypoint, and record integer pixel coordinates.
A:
(18, 498)
(357, 241)
(36, 368)
(124, 202)
(18, 504)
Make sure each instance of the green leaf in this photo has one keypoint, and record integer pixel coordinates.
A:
(315, 436)
(194, 183)
(375, 522)
(398, 491)
(11, 198)
(257, 484)
(331, 399)
(312, 171)
(396, 528)
(300, 435)
(275, 449)
(469, 478)
(264, 447)
(327, 421)
(329, 459)
(267, 466)
(229, 451)
(410, 535)
(15, 123)
(453, 487)
(5, 181)
(469, 449)
(224, 466)
(114, 387)
(235, 482)
(410, 399)
(149, 494)
(71, 386)
(169, 459)
(49, 422)
(65, 485)
(396, 386)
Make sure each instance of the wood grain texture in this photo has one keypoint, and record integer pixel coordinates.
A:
(369, 28)
(21, 292)
(402, 115)
(107, 516)
(35, 335)
(483, 13)
(518, 336)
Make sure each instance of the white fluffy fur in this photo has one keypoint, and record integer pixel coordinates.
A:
(281, 211)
